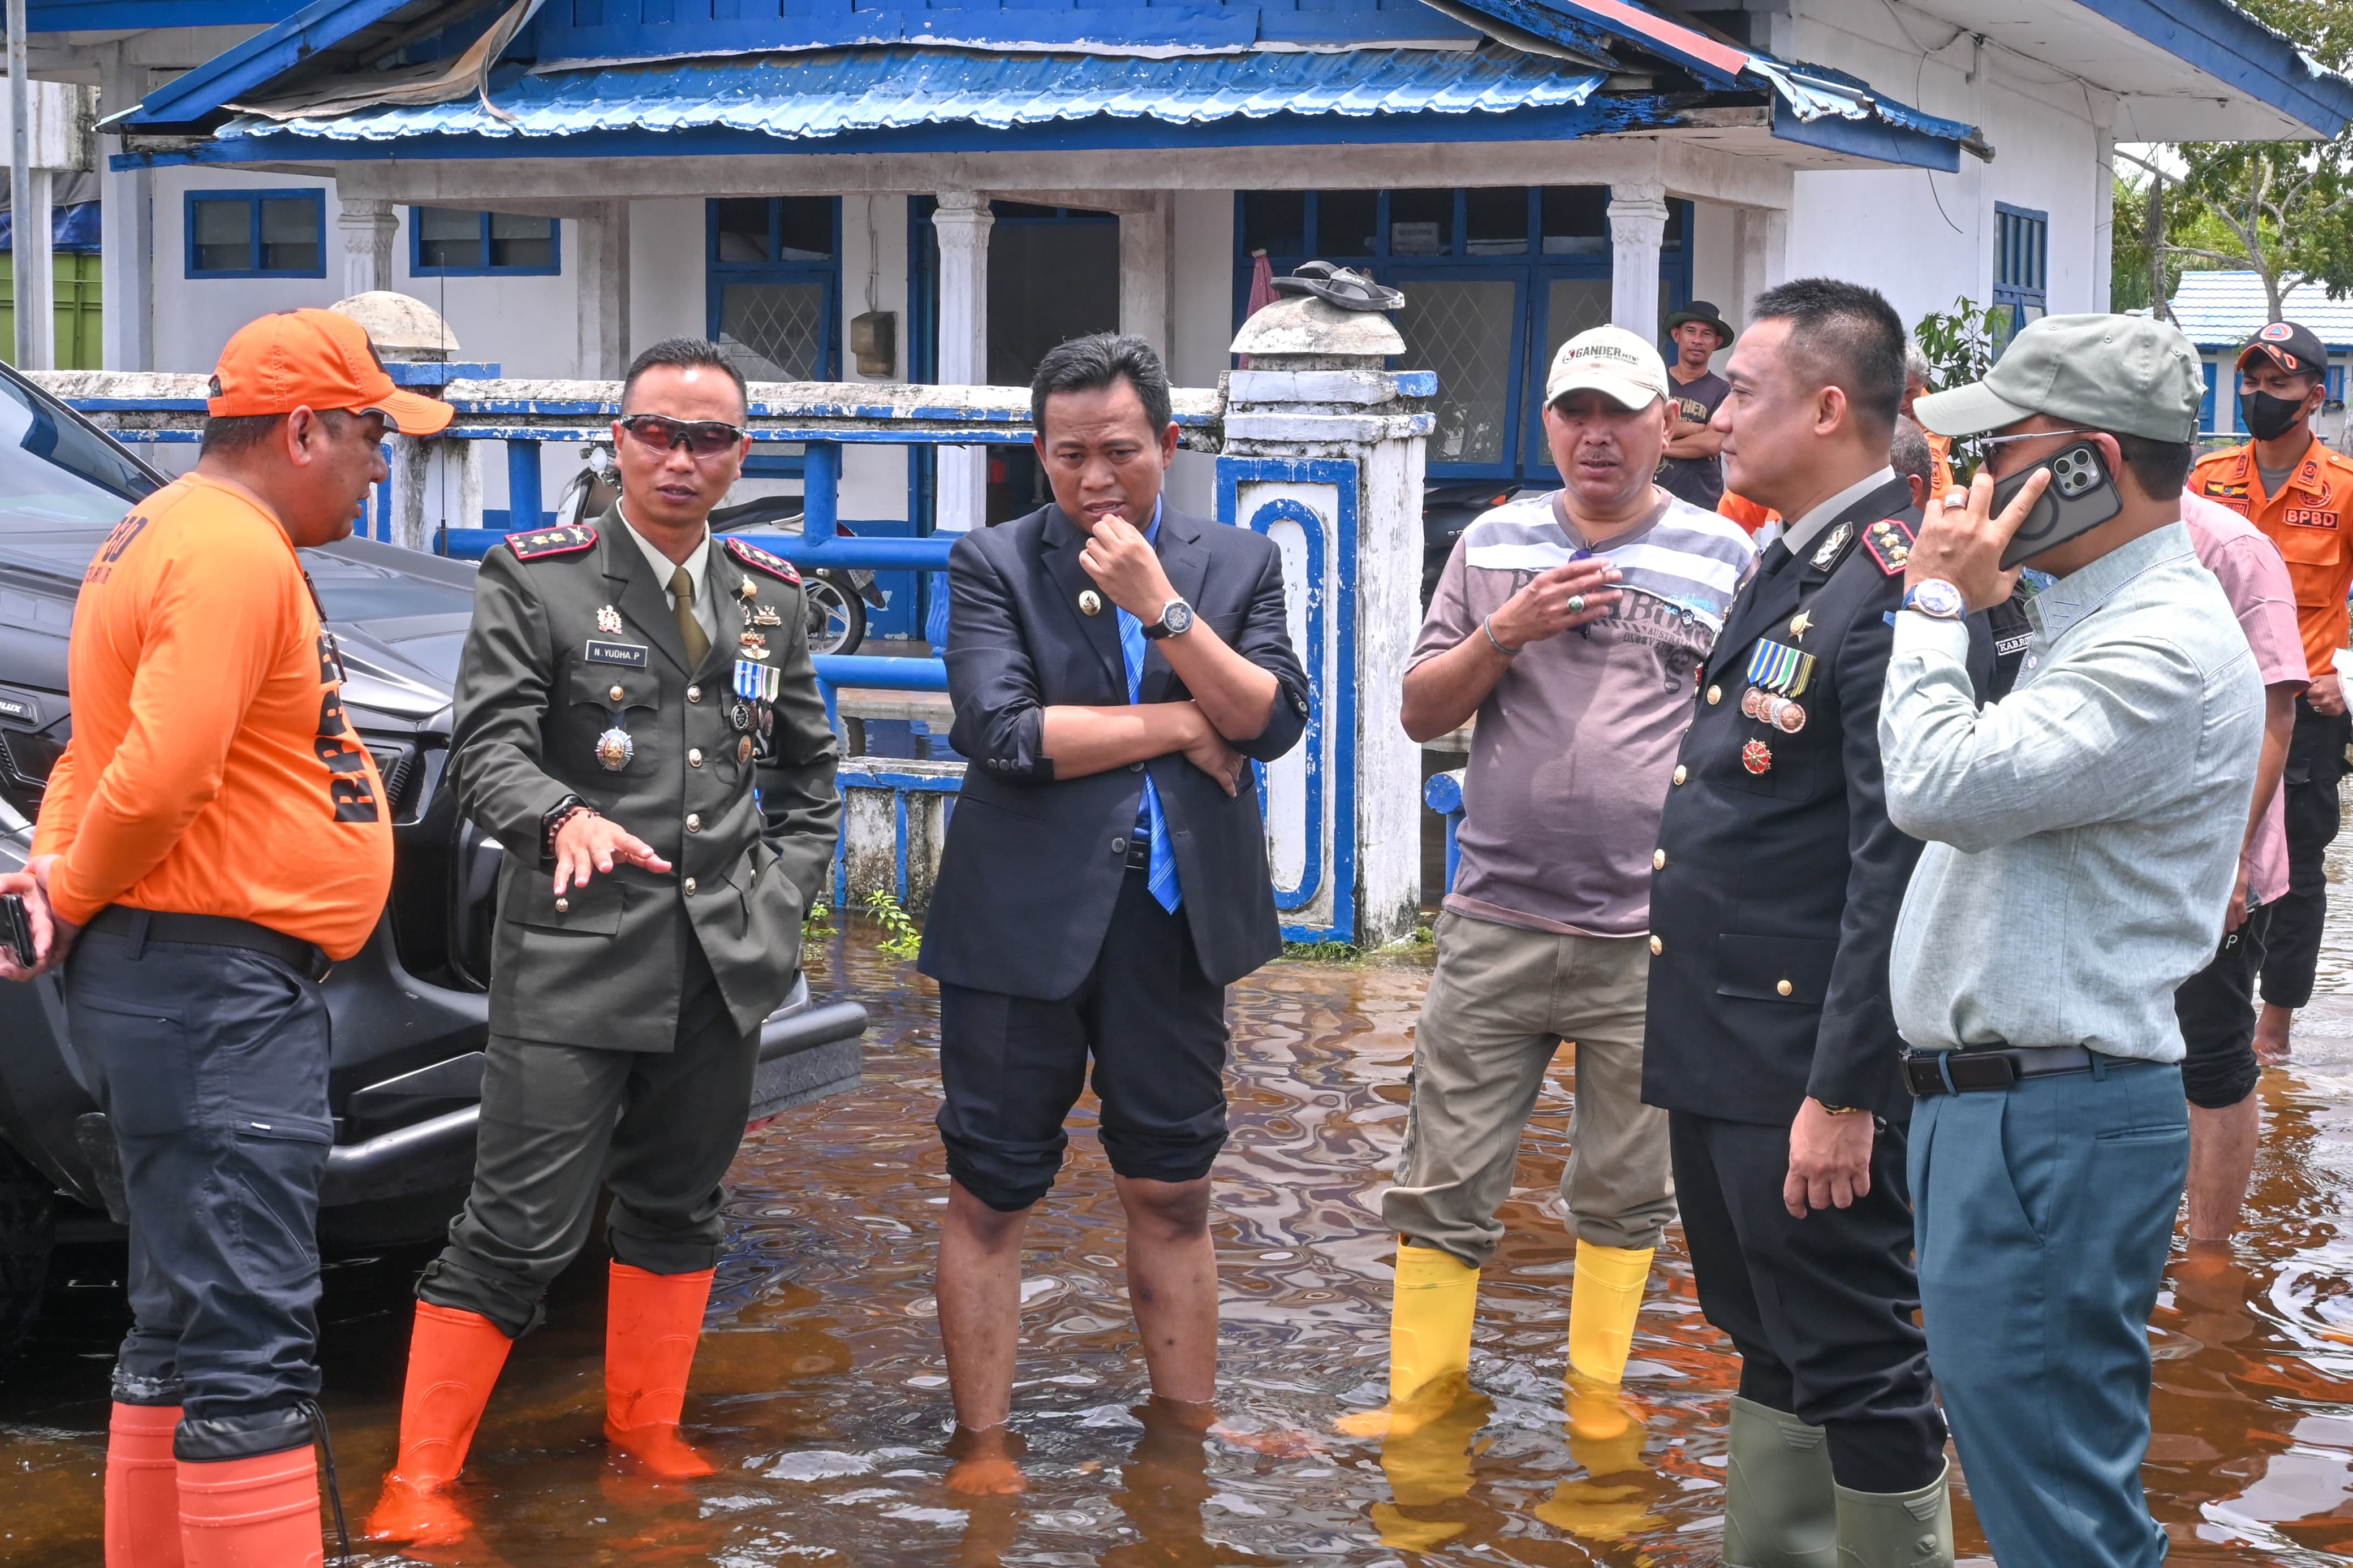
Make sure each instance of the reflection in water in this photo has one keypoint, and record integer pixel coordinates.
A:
(822, 1394)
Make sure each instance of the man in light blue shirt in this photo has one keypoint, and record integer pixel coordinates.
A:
(2083, 837)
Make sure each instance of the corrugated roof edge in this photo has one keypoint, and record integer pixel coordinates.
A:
(2222, 310)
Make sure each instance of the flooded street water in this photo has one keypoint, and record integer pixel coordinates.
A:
(821, 1389)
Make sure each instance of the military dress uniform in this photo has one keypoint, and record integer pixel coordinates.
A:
(1773, 902)
(625, 1014)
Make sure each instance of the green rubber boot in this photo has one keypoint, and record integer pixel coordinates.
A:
(1897, 1529)
(1780, 1506)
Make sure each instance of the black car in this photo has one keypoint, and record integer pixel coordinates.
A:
(411, 1010)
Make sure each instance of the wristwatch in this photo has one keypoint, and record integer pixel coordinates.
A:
(1175, 619)
(1830, 1109)
(1937, 599)
(551, 821)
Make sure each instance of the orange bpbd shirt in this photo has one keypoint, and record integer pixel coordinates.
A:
(211, 771)
(2307, 520)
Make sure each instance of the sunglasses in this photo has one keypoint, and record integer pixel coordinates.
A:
(701, 438)
(1973, 452)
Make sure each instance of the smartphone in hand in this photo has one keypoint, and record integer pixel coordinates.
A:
(16, 930)
(2082, 495)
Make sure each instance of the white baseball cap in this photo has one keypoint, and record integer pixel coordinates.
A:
(1609, 359)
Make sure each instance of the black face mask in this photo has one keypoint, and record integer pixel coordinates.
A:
(2268, 417)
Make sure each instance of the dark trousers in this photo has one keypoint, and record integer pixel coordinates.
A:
(1821, 1308)
(2315, 762)
(1012, 1067)
(2045, 1214)
(2216, 1007)
(211, 1064)
(559, 1122)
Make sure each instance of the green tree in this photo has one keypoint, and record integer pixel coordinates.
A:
(2283, 210)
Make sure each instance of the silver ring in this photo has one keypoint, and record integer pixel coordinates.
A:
(1576, 604)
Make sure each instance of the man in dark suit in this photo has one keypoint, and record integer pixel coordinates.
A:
(1770, 1041)
(1114, 663)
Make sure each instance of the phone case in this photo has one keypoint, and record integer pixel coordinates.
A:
(2080, 497)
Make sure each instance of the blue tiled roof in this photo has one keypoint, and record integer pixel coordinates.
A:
(2223, 309)
(828, 94)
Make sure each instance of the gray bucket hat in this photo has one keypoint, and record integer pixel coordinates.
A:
(2129, 375)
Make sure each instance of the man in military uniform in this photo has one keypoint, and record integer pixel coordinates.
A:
(2288, 483)
(1770, 1042)
(625, 689)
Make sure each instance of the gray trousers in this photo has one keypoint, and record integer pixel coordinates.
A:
(213, 1070)
(559, 1122)
(1501, 1004)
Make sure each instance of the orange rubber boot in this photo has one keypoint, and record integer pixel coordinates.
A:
(454, 1357)
(651, 1324)
(142, 1487)
(261, 1512)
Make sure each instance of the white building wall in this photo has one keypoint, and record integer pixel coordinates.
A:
(873, 278)
(1925, 238)
(1202, 270)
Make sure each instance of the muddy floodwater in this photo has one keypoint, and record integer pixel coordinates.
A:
(822, 1393)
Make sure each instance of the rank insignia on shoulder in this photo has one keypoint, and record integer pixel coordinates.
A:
(1890, 544)
(759, 560)
(1834, 545)
(546, 543)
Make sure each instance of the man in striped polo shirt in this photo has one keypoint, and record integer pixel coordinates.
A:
(1571, 624)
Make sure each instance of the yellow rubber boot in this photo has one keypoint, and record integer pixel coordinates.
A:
(1429, 1343)
(1602, 1305)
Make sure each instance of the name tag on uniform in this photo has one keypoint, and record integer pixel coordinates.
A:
(629, 653)
(2310, 517)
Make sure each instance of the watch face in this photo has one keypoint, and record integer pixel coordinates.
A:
(1938, 598)
(1177, 616)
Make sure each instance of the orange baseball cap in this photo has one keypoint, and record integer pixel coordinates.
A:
(315, 359)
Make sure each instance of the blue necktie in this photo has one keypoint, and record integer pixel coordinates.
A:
(1160, 875)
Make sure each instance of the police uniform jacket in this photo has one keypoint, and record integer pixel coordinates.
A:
(1033, 863)
(1777, 876)
(574, 681)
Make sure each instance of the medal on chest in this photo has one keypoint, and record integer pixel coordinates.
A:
(614, 749)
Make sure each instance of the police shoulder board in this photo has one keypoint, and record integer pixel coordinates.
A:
(546, 543)
(1890, 544)
(759, 560)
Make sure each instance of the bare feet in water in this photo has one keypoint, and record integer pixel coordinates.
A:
(986, 1462)
(2271, 1035)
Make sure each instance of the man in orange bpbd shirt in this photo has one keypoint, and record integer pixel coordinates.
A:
(2300, 494)
(213, 840)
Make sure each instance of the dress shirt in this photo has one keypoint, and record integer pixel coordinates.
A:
(698, 571)
(1799, 536)
(2083, 832)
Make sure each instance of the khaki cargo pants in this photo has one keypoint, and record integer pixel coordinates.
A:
(1501, 1004)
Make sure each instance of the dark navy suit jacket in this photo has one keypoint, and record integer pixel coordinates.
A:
(1033, 863)
(1775, 902)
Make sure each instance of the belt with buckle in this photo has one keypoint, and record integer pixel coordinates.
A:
(1979, 1069)
(140, 927)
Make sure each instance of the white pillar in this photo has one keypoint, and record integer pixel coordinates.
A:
(126, 219)
(962, 222)
(367, 226)
(604, 293)
(1145, 294)
(36, 284)
(1761, 238)
(1637, 224)
(2103, 216)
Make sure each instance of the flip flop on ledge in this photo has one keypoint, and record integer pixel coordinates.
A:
(1341, 285)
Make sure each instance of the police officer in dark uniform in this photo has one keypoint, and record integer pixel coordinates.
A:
(1770, 1041)
(625, 690)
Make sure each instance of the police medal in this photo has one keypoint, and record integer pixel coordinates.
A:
(614, 749)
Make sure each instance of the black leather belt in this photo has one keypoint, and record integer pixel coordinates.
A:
(1978, 1069)
(140, 927)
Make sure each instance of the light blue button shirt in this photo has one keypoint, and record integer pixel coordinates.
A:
(2083, 832)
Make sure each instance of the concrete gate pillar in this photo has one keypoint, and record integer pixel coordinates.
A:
(1323, 453)
(963, 221)
(126, 223)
